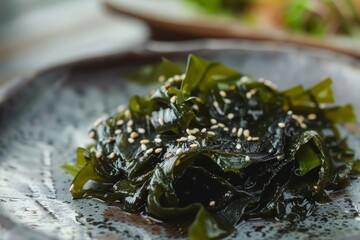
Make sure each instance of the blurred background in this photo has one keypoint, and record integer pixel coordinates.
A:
(36, 34)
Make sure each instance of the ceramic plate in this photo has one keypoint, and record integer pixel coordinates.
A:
(44, 119)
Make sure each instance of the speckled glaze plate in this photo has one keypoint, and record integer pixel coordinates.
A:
(44, 118)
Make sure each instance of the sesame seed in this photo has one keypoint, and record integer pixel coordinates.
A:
(111, 155)
(169, 155)
(211, 133)
(120, 122)
(98, 122)
(127, 113)
(191, 138)
(281, 125)
(158, 140)
(91, 134)
(249, 138)
(216, 104)
(214, 127)
(316, 187)
(149, 151)
(129, 129)
(118, 131)
(233, 130)
(247, 158)
(134, 135)
(279, 157)
(144, 141)
(239, 132)
(246, 133)
(230, 116)
(255, 138)
(183, 76)
(121, 108)
(221, 125)
(143, 147)
(289, 112)
(238, 146)
(178, 151)
(248, 95)
(98, 154)
(213, 121)
(177, 162)
(312, 116)
(131, 140)
(161, 121)
(71, 187)
(211, 203)
(130, 123)
(188, 131)
(171, 80)
(195, 107)
(173, 99)
(227, 101)
(203, 130)
(111, 139)
(303, 125)
(141, 130)
(194, 130)
(161, 78)
(222, 93)
(158, 150)
(194, 145)
(182, 139)
(244, 79)
(226, 129)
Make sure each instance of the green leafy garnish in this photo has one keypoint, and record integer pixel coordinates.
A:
(212, 147)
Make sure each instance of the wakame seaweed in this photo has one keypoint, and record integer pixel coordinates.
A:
(211, 147)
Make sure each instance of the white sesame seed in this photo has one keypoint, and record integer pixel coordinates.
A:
(111, 155)
(316, 187)
(303, 125)
(194, 130)
(131, 140)
(143, 147)
(91, 134)
(169, 155)
(244, 79)
(98, 154)
(161, 121)
(120, 122)
(238, 146)
(249, 138)
(233, 130)
(141, 130)
(118, 131)
(130, 123)
(230, 116)
(134, 135)
(279, 157)
(121, 108)
(246, 133)
(255, 138)
(183, 76)
(214, 127)
(213, 121)
(98, 122)
(188, 131)
(195, 107)
(71, 187)
(129, 129)
(281, 125)
(227, 101)
(191, 138)
(182, 139)
(239, 132)
(173, 99)
(211, 133)
(158, 140)
(222, 93)
(178, 151)
(203, 130)
(248, 95)
(247, 158)
(312, 116)
(149, 151)
(216, 104)
(161, 78)
(211, 203)
(158, 150)
(194, 145)
(289, 112)
(144, 141)
(127, 113)
(226, 129)
(221, 125)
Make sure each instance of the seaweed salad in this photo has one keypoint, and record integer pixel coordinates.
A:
(212, 147)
